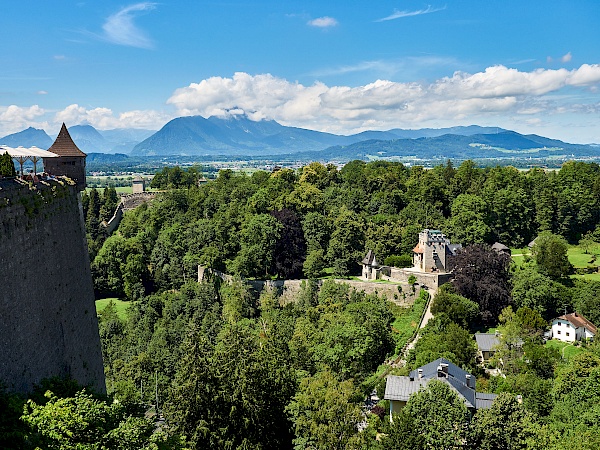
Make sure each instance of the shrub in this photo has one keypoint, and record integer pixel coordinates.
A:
(399, 261)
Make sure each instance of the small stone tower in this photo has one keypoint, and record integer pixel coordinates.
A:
(138, 185)
(71, 160)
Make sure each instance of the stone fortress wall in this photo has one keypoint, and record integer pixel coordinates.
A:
(48, 323)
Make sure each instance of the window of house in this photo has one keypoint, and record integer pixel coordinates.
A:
(568, 334)
(559, 324)
(558, 332)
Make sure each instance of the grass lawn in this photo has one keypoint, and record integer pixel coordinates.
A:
(588, 276)
(518, 260)
(124, 190)
(580, 259)
(120, 304)
(407, 321)
(566, 349)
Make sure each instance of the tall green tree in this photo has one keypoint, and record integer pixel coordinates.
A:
(440, 416)
(347, 242)
(507, 425)
(7, 167)
(325, 412)
(550, 253)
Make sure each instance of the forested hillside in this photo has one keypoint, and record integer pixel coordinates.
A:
(229, 370)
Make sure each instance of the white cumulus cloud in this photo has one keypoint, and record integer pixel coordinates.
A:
(15, 118)
(382, 104)
(323, 22)
(567, 57)
(105, 118)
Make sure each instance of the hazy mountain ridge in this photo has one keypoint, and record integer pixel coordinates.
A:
(87, 138)
(237, 136)
(498, 145)
(30, 137)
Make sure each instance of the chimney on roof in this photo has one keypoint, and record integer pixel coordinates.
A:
(420, 372)
(468, 377)
(442, 370)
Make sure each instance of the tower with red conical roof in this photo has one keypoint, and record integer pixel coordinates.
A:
(70, 161)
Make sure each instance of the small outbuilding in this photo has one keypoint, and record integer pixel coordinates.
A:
(370, 266)
(138, 185)
(487, 343)
(500, 248)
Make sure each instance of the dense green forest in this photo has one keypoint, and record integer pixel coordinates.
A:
(229, 369)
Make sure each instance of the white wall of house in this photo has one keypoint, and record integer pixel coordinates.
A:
(564, 331)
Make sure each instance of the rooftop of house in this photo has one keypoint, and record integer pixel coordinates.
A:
(577, 320)
(462, 382)
(487, 341)
(370, 260)
(500, 247)
(64, 145)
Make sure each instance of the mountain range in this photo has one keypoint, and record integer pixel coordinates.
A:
(87, 138)
(239, 136)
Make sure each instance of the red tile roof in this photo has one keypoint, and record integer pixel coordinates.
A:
(64, 145)
(577, 320)
(418, 249)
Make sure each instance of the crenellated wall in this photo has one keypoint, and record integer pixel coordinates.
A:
(48, 323)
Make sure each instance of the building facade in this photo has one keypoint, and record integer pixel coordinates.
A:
(572, 327)
(432, 251)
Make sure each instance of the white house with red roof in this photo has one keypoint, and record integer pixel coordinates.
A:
(572, 327)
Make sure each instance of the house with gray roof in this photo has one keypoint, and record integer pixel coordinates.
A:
(487, 344)
(398, 389)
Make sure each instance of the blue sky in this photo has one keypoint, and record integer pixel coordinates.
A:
(338, 66)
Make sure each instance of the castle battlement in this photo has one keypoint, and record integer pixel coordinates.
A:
(48, 323)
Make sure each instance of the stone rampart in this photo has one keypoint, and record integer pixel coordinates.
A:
(48, 323)
(432, 280)
(399, 293)
(132, 201)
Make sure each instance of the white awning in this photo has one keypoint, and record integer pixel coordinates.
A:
(22, 155)
(27, 153)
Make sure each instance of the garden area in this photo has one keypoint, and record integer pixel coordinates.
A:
(566, 349)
